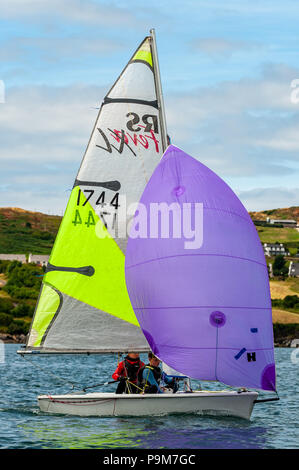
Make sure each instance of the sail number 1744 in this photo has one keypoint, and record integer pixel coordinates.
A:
(100, 201)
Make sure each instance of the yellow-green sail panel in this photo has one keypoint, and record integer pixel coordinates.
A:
(86, 265)
(80, 244)
(144, 53)
(47, 307)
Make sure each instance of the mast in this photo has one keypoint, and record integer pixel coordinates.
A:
(159, 90)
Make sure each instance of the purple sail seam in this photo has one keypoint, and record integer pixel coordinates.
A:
(196, 254)
(201, 306)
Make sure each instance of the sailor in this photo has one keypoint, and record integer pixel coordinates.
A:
(150, 376)
(127, 373)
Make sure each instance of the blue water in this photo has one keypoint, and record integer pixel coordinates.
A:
(22, 425)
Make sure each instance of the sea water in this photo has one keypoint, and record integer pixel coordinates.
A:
(23, 425)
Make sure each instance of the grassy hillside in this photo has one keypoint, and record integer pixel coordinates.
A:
(277, 234)
(284, 213)
(26, 232)
(280, 289)
(288, 236)
(19, 289)
(23, 232)
(272, 234)
(284, 317)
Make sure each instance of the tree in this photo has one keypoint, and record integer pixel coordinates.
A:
(279, 266)
(6, 305)
(22, 310)
(291, 301)
(5, 319)
(18, 327)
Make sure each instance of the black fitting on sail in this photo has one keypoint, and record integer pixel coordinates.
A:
(113, 185)
(85, 270)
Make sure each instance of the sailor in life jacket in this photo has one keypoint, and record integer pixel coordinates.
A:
(127, 373)
(150, 376)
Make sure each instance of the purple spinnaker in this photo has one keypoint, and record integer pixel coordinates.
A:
(205, 310)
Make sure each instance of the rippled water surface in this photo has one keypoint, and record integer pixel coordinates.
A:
(22, 425)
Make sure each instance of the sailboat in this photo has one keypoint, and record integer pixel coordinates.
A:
(93, 299)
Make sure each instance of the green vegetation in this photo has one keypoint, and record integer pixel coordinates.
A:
(293, 282)
(285, 331)
(279, 266)
(33, 232)
(23, 232)
(261, 223)
(24, 280)
(289, 236)
(22, 287)
(277, 234)
(289, 303)
(280, 214)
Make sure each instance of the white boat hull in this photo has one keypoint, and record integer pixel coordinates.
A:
(226, 403)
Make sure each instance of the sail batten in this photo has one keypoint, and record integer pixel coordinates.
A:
(153, 103)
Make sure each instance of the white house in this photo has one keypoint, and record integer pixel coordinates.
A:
(274, 249)
(285, 222)
(294, 269)
(5, 257)
(41, 260)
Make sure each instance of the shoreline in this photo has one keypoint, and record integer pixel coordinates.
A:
(12, 339)
(284, 342)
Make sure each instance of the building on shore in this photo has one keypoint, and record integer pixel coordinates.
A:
(21, 258)
(41, 260)
(274, 249)
(284, 223)
(294, 269)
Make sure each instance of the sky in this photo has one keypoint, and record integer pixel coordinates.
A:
(228, 70)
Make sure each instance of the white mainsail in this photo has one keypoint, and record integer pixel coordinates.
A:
(83, 304)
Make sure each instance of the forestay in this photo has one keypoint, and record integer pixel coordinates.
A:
(83, 303)
(204, 305)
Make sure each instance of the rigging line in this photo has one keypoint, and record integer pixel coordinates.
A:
(98, 385)
(216, 358)
(229, 386)
(128, 388)
(263, 400)
(104, 383)
(145, 384)
(51, 373)
(128, 382)
(136, 386)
